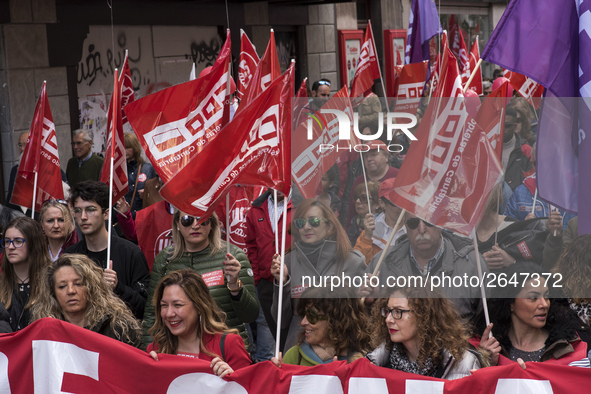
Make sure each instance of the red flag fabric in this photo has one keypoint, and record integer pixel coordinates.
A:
(53, 356)
(40, 156)
(115, 146)
(491, 117)
(368, 68)
(266, 72)
(527, 87)
(436, 69)
(247, 64)
(464, 60)
(126, 83)
(175, 124)
(408, 87)
(301, 101)
(476, 84)
(316, 144)
(250, 151)
(448, 173)
(454, 36)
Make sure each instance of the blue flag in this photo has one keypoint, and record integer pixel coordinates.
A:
(423, 24)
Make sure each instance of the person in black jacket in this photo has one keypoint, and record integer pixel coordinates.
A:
(4, 320)
(127, 271)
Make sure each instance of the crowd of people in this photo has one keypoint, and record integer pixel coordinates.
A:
(173, 284)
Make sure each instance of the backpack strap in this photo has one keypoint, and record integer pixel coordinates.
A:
(222, 342)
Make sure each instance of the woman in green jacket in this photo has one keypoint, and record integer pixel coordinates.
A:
(229, 276)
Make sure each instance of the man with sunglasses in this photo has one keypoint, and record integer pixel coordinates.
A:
(320, 93)
(127, 272)
(428, 251)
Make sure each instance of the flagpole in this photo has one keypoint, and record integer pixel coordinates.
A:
(472, 76)
(34, 196)
(479, 267)
(394, 231)
(281, 270)
(276, 220)
(113, 131)
(365, 181)
(228, 224)
(533, 207)
(379, 69)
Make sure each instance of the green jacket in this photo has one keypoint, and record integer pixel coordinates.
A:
(238, 312)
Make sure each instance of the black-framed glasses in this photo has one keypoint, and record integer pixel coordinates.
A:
(324, 83)
(313, 316)
(394, 312)
(16, 242)
(188, 220)
(413, 223)
(59, 201)
(313, 221)
(90, 211)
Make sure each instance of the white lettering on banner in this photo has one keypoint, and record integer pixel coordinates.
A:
(263, 134)
(367, 385)
(409, 93)
(528, 88)
(48, 138)
(365, 56)
(424, 387)
(244, 73)
(51, 360)
(163, 240)
(4, 382)
(206, 382)
(265, 81)
(307, 384)
(174, 137)
(523, 386)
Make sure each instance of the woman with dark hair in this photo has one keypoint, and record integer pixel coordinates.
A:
(360, 198)
(199, 246)
(23, 263)
(530, 327)
(321, 248)
(58, 225)
(138, 172)
(331, 327)
(419, 332)
(75, 291)
(190, 323)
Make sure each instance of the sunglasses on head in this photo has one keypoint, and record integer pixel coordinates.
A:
(59, 201)
(313, 221)
(313, 316)
(324, 83)
(413, 223)
(188, 220)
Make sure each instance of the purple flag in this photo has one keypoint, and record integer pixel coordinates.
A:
(423, 24)
(547, 40)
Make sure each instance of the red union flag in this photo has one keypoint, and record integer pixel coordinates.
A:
(40, 156)
(248, 151)
(450, 170)
(368, 68)
(316, 145)
(126, 83)
(476, 84)
(247, 64)
(175, 124)
(527, 87)
(491, 117)
(464, 60)
(115, 146)
(454, 36)
(408, 86)
(266, 71)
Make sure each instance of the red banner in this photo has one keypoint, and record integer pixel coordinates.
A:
(454, 36)
(476, 84)
(40, 156)
(368, 68)
(527, 87)
(491, 117)
(126, 83)
(115, 146)
(247, 64)
(175, 124)
(52, 356)
(408, 87)
(250, 150)
(449, 172)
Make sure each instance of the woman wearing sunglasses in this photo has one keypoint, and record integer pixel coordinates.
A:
(58, 225)
(418, 333)
(199, 247)
(331, 328)
(23, 263)
(321, 249)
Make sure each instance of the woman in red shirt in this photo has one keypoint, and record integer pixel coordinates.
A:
(189, 323)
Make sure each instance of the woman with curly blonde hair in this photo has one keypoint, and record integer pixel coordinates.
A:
(419, 332)
(189, 323)
(75, 291)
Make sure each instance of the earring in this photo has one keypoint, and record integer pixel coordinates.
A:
(177, 228)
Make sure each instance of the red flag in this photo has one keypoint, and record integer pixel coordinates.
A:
(115, 146)
(476, 84)
(300, 103)
(464, 60)
(491, 117)
(266, 72)
(436, 69)
(175, 124)
(454, 36)
(368, 68)
(250, 150)
(527, 87)
(40, 156)
(247, 64)
(126, 83)
(408, 86)
(316, 143)
(449, 172)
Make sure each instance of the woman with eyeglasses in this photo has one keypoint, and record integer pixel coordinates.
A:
(58, 225)
(419, 332)
(23, 263)
(190, 323)
(75, 291)
(331, 328)
(199, 247)
(321, 248)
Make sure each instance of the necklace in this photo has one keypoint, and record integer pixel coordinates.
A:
(23, 282)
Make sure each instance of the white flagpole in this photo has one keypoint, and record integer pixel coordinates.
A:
(394, 231)
(533, 207)
(228, 224)
(479, 267)
(110, 226)
(364, 180)
(34, 196)
(276, 221)
(280, 302)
